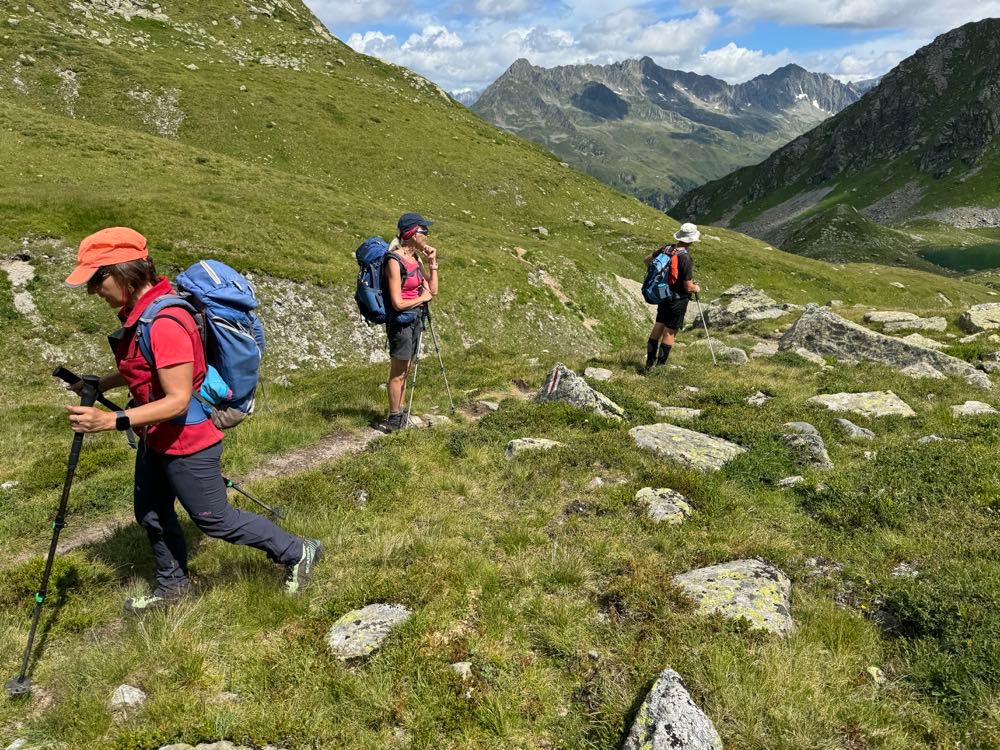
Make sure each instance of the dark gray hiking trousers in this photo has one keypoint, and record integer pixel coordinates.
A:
(196, 480)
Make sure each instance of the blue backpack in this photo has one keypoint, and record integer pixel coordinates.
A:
(222, 303)
(371, 256)
(661, 275)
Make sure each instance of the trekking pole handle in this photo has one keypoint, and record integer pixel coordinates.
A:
(71, 378)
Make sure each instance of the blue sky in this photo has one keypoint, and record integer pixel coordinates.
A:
(468, 43)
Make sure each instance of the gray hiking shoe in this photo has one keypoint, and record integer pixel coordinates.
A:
(297, 576)
(397, 422)
(161, 597)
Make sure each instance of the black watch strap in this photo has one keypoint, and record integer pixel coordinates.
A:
(122, 422)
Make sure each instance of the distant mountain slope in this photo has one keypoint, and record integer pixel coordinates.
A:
(922, 143)
(654, 132)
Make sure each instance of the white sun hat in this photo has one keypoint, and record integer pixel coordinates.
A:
(687, 233)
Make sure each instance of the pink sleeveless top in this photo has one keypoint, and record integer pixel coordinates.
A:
(414, 280)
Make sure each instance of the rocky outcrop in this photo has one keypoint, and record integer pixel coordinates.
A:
(807, 445)
(972, 409)
(521, 445)
(984, 317)
(361, 632)
(852, 430)
(699, 451)
(869, 404)
(669, 720)
(738, 304)
(562, 384)
(664, 505)
(749, 590)
(598, 373)
(823, 332)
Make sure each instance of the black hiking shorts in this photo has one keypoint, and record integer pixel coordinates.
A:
(671, 313)
(404, 338)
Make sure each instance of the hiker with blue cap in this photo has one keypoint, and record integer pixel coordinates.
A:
(410, 287)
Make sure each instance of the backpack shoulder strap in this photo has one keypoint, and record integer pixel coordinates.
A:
(403, 273)
(152, 313)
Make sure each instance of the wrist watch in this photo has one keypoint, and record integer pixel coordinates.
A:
(122, 422)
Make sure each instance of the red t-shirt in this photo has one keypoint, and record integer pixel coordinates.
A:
(174, 340)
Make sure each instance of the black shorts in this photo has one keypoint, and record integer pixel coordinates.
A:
(671, 313)
(403, 338)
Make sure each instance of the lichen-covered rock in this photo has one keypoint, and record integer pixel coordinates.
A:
(922, 370)
(808, 356)
(764, 349)
(742, 589)
(664, 505)
(853, 431)
(823, 332)
(598, 373)
(920, 324)
(889, 316)
(807, 445)
(791, 481)
(758, 399)
(562, 384)
(917, 340)
(972, 409)
(978, 318)
(669, 720)
(520, 445)
(733, 354)
(361, 632)
(695, 449)
(870, 404)
(675, 412)
(738, 304)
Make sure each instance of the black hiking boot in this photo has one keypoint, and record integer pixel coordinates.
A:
(160, 598)
(297, 576)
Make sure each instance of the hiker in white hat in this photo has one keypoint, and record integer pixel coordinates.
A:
(668, 283)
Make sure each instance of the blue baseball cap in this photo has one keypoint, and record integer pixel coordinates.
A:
(410, 220)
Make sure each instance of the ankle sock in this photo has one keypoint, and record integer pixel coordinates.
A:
(651, 345)
(661, 357)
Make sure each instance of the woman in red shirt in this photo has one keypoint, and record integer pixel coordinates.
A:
(179, 453)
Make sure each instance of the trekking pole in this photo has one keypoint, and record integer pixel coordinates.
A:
(437, 348)
(21, 685)
(416, 364)
(702, 314)
(70, 377)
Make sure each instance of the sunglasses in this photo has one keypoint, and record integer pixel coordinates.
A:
(98, 278)
(423, 231)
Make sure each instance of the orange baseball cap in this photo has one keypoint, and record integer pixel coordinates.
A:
(106, 248)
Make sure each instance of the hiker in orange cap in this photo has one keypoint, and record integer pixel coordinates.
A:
(180, 450)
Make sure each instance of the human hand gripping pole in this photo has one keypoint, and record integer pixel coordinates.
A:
(21, 685)
(72, 379)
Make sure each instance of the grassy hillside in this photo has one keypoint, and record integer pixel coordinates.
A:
(522, 568)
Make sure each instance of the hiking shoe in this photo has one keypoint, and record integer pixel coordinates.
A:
(297, 576)
(398, 422)
(161, 597)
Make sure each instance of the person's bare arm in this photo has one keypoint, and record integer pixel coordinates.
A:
(395, 282)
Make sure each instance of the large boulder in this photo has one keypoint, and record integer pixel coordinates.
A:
(695, 449)
(738, 304)
(869, 404)
(823, 332)
(807, 445)
(972, 409)
(669, 720)
(562, 384)
(984, 317)
(749, 590)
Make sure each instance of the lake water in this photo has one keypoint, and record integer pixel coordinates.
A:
(975, 258)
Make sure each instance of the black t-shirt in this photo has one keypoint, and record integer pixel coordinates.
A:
(685, 269)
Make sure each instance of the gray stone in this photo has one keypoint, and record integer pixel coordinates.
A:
(361, 632)
(917, 340)
(520, 445)
(823, 332)
(18, 744)
(852, 430)
(674, 412)
(877, 675)
(764, 349)
(972, 409)
(970, 338)
(738, 304)
(589, 224)
(541, 231)
(699, 451)
(126, 697)
(360, 498)
(922, 370)
(905, 570)
(870, 404)
(435, 420)
(463, 669)
(742, 589)
(897, 285)
(562, 384)
(488, 405)
(8, 485)
(664, 505)
(978, 318)
(943, 300)
(598, 373)
(791, 481)
(758, 399)
(807, 445)
(930, 439)
(890, 316)
(809, 356)
(989, 366)
(733, 354)
(920, 324)
(669, 720)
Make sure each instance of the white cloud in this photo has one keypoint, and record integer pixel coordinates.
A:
(940, 15)
(736, 64)
(431, 40)
(502, 8)
(633, 32)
